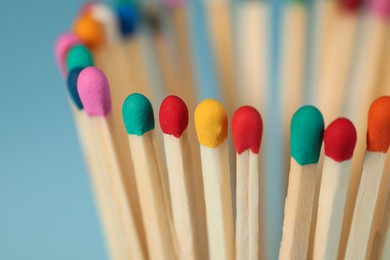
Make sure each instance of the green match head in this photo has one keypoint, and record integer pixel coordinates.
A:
(79, 57)
(307, 129)
(137, 113)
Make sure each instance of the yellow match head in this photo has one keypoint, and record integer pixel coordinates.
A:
(211, 123)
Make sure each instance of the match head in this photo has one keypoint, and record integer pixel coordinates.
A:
(137, 113)
(129, 18)
(351, 5)
(73, 77)
(94, 91)
(340, 140)
(380, 8)
(211, 123)
(247, 127)
(307, 129)
(90, 31)
(79, 56)
(378, 132)
(173, 116)
(63, 43)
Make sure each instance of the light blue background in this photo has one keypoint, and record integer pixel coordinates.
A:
(46, 207)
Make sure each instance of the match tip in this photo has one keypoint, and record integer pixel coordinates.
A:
(380, 8)
(129, 18)
(89, 30)
(378, 132)
(72, 87)
(79, 56)
(137, 113)
(247, 127)
(94, 91)
(63, 43)
(173, 116)
(350, 5)
(307, 128)
(211, 123)
(340, 140)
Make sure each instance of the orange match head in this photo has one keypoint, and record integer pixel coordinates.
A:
(378, 132)
(90, 31)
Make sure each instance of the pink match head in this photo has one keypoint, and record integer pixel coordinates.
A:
(94, 92)
(63, 44)
(380, 8)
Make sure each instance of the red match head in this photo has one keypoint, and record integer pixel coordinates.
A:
(340, 140)
(247, 129)
(173, 116)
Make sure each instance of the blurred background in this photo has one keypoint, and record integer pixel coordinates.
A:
(46, 207)
(283, 54)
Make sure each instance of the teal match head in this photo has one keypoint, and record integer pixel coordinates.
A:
(307, 129)
(79, 57)
(137, 113)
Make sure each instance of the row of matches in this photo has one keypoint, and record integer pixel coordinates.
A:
(168, 212)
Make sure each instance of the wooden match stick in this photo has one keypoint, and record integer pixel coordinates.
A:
(378, 141)
(97, 28)
(173, 121)
(363, 90)
(94, 92)
(247, 129)
(211, 128)
(103, 197)
(178, 18)
(339, 142)
(139, 121)
(307, 128)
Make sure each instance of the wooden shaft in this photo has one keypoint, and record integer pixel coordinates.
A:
(298, 211)
(219, 205)
(366, 200)
(333, 193)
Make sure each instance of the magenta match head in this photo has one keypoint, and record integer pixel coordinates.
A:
(340, 140)
(94, 92)
(351, 6)
(63, 44)
(380, 8)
